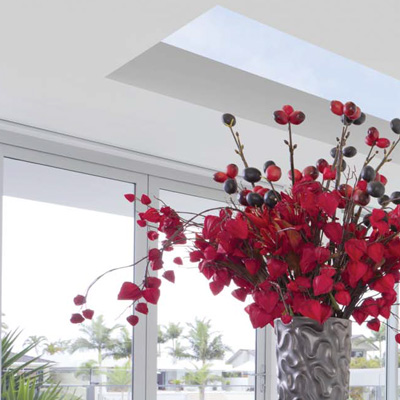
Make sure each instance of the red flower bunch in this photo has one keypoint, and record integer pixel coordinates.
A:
(313, 250)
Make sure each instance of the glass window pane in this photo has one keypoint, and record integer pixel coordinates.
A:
(188, 307)
(60, 230)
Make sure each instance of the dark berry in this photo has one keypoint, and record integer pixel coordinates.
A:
(361, 198)
(271, 198)
(251, 174)
(337, 107)
(254, 199)
(366, 220)
(346, 120)
(368, 173)
(267, 164)
(395, 197)
(395, 125)
(384, 200)
(375, 189)
(241, 197)
(321, 165)
(230, 186)
(333, 152)
(229, 120)
(349, 151)
(360, 120)
(281, 117)
(343, 166)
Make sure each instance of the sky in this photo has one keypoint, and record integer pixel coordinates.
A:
(233, 39)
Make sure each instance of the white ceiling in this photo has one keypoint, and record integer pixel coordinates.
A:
(55, 56)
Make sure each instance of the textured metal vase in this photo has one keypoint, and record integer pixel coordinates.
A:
(313, 360)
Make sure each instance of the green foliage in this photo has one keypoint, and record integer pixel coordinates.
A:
(122, 348)
(28, 389)
(362, 363)
(120, 376)
(84, 370)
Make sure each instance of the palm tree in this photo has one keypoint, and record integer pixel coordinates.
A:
(85, 370)
(123, 346)
(36, 341)
(173, 332)
(96, 336)
(161, 338)
(204, 346)
(58, 346)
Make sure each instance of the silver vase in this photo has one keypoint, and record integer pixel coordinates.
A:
(313, 360)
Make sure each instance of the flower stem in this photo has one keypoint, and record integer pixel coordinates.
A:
(291, 151)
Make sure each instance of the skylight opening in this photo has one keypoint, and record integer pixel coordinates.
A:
(243, 43)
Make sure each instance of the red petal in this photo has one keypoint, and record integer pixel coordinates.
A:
(216, 287)
(252, 266)
(151, 295)
(276, 268)
(237, 227)
(77, 318)
(169, 276)
(334, 232)
(156, 264)
(315, 310)
(152, 235)
(129, 291)
(356, 270)
(211, 227)
(88, 314)
(142, 308)
(322, 284)
(376, 251)
(397, 338)
(328, 202)
(79, 300)
(145, 200)
(178, 261)
(370, 307)
(133, 319)
(359, 316)
(355, 248)
(152, 282)
(141, 223)
(130, 197)
(384, 284)
(322, 254)
(154, 254)
(266, 300)
(374, 324)
(240, 294)
(343, 297)
(286, 319)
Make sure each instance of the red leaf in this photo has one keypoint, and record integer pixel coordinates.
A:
(216, 287)
(276, 268)
(151, 295)
(286, 319)
(154, 254)
(328, 202)
(322, 254)
(156, 264)
(384, 284)
(130, 197)
(240, 294)
(195, 256)
(374, 324)
(145, 200)
(252, 266)
(77, 318)
(315, 310)
(141, 223)
(343, 297)
(308, 259)
(211, 227)
(322, 284)
(237, 227)
(142, 308)
(258, 317)
(359, 316)
(129, 291)
(376, 251)
(210, 254)
(355, 248)
(88, 314)
(178, 261)
(152, 282)
(133, 319)
(397, 338)
(79, 300)
(169, 276)
(333, 232)
(266, 300)
(152, 235)
(356, 270)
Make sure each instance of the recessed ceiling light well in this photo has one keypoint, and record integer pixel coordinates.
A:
(240, 42)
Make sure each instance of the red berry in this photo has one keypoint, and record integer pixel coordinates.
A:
(336, 108)
(356, 115)
(232, 170)
(361, 197)
(297, 117)
(287, 109)
(329, 173)
(261, 191)
(281, 117)
(297, 175)
(362, 185)
(345, 190)
(220, 177)
(311, 171)
(321, 165)
(382, 179)
(373, 133)
(349, 109)
(273, 173)
(369, 141)
(383, 143)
